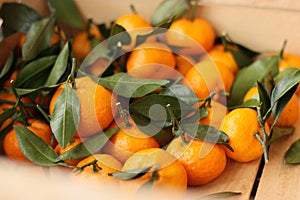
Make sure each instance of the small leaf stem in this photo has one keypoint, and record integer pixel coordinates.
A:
(19, 103)
(45, 115)
(264, 140)
(71, 77)
(207, 102)
(123, 114)
(132, 8)
(93, 163)
(176, 124)
(193, 11)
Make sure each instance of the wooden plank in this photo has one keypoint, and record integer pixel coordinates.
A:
(237, 177)
(279, 180)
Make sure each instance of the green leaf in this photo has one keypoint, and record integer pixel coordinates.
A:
(182, 93)
(206, 133)
(17, 17)
(118, 34)
(130, 174)
(65, 118)
(196, 117)
(168, 8)
(247, 77)
(8, 113)
(162, 134)
(251, 103)
(264, 99)
(38, 37)
(280, 132)
(68, 12)
(154, 107)
(283, 92)
(35, 148)
(26, 91)
(242, 55)
(292, 156)
(59, 67)
(220, 195)
(88, 147)
(127, 86)
(160, 28)
(34, 68)
(7, 66)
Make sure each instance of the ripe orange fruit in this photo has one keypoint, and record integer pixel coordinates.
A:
(97, 173)
(127, 141)
(290, 60)
(288, 116)
(215, 116)
(74, 142)
(202, 161)
(97, 106)
(240, 125)
(152, 61)
(10, 143)
(172, 175)
(208, 76)
(82, 43)
(218, 53)
(135, 25)
(192, 34)
(184, 64)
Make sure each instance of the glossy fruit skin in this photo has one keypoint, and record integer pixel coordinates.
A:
(240, 125)
(218, 53)
(99, 174)
(97, 106)
(198, 35)
(207, 77)
(288, 116)
(82, 45)
(127, 141)
(10, 143)
(172, 175)
(151, 61)
(135, 25)
(202, 161)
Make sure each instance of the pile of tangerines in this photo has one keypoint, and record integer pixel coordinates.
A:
(128, 155)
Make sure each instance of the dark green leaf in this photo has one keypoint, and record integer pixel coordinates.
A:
(17, 17)
(38, 38)
(160, 28)
(283, 92)
(130, 174)
(182, 93)
(26, 91)
(264, 99)
(169, 8)
(118, 34)
(247, 77)
(242, 55)
(220, 195)
(198, 115)
(65, 118)
(88, 147)
(59, 67)
(251, 103)
(7, 65)
(35, 148)
(280, 132)
(278, 106)
(286, 72)
(292, 156)
(205, 133)
(67, 11)
(7, 114)
(130, 87)
(154, 107)
(34, 68)
(162, 134)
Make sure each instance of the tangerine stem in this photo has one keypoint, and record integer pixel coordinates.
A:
(123, 115)
(264, 140)
(193, 11)
(132, 8)
(19, 103)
